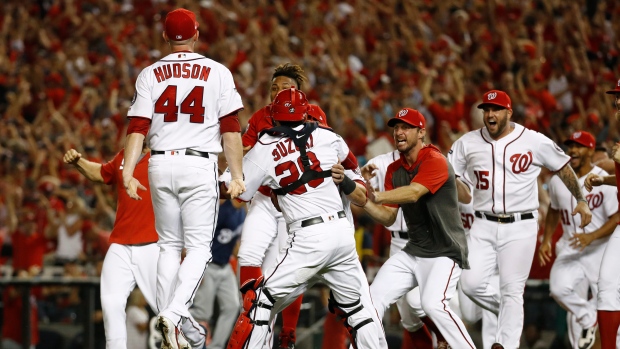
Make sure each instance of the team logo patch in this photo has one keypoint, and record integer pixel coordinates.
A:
(557, 147)
(135, 96)
(521, 162)
(402, 113)
(576, 134)
(492, 95)
(451, 151)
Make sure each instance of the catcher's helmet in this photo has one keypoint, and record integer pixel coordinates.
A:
(289, 105)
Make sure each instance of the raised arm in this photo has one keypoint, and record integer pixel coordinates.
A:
(89, 169)
(568, 177)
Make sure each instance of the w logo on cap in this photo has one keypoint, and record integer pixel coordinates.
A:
(492, 95)
(618, 83)
(576, 134)
(402, 113)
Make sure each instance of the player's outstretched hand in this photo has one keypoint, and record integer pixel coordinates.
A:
(131, 187)
(368, 171)
(581, 240)
(593, 180)
(71, 157)
(236, 188)
(338, 173)
(584, 211)
(545, 252)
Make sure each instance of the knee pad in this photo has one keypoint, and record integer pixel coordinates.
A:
(344, 312)
(245, 324)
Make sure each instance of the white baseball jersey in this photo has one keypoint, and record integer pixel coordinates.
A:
(275, 162)
(378, 181)
(354, 175)
(504, 171)
(185, 94)
(601, 200)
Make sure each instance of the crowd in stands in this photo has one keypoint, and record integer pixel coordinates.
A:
(68, 67)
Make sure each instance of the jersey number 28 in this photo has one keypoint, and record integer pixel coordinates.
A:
(295, 170)
(192, 104)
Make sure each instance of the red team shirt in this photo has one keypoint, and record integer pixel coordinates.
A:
(135, 220)
(432, 174)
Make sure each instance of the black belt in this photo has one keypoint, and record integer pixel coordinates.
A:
(202, 154)
(507, 219)
(400, 234)
(318, 220)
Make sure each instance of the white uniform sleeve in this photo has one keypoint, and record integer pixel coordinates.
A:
(254, 176)
(341, 147)
(142, 104)
(230, 100)
(553, 193)
(354, 175)
(456, 157)
(550, 154)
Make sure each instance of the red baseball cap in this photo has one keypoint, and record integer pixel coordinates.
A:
(316, 113)
(409, 116)
(616, 90)
(180, 24)
(582, 137)
(496, 97)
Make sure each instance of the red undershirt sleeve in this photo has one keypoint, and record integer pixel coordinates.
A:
(230, 123)
(139, 125)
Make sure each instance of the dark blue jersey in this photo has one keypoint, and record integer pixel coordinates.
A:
(227, 231)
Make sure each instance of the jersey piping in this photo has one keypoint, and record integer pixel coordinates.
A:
(504, 165)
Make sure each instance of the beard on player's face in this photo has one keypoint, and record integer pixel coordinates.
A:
(579, 156)
(496, 121)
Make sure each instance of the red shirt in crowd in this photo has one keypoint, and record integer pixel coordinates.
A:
(432, 173)
(28, 249)
(12, 315)
(135, 220)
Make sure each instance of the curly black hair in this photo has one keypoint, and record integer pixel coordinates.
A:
(292, 71)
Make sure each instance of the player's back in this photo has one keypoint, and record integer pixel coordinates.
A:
(324, 149)
(185, 94)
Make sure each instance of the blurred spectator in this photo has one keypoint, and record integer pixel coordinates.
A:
(137, 320)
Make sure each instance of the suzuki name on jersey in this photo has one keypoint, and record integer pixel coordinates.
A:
(185, 71)
(286, 147)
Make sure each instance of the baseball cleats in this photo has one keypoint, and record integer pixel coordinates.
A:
(169, 334)
(497, 346)
(588, 335)
(287, 339)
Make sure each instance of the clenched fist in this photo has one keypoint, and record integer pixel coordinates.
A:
(71, 156)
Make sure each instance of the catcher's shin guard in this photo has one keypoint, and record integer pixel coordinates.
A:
(245, 324)
(344, 312)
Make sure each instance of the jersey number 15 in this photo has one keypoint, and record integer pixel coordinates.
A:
(192, 104)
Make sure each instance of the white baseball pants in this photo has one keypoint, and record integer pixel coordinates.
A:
(472, 313)
(185, 197)
(509, 248)
(570, 269)
(124, 268)
(264, 233)
(326, 249)
(436, 278)
(609, 279)
(408, 318)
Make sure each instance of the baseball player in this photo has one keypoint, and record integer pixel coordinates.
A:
(220, 281)
(295, 159)
(264, 233)
(608, 299)
(416, 331)
(130, 260)
(184, 105)
(503, 159)
(579, 252)
(422, 183)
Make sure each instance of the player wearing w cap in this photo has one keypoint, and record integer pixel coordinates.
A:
(503, 159)
(294, 160)
(184, 104)
(579, 252)
(422, 183)
(609, 283)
